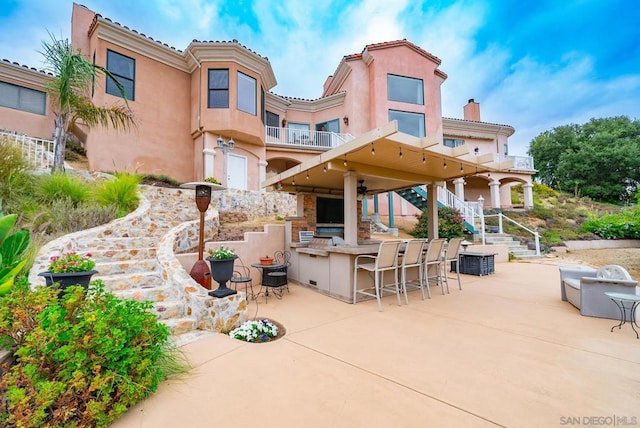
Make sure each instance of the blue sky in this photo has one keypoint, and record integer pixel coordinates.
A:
(533, 65)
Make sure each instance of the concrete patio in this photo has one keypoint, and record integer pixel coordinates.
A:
(505, 351)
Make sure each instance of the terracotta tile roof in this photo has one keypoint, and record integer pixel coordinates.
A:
(97, 17)
(393, 44)
(475, 121)
(15, 64)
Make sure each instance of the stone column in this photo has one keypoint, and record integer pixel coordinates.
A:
(528, 195)
(209, 158)
(494, 186)
(459, 188)
(262, 167)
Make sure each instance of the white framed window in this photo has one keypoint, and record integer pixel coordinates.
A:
(405, 89)
(409, 122)
(21, 98)
(247, 93)
(452, 142)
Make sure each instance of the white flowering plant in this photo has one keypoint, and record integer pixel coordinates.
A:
(255, 331)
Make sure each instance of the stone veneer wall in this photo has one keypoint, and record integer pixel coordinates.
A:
(308, 220)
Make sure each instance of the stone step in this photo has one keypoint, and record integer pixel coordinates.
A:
(169, 309)
(105, 244)
(105, 256)
(529, 256)
(179, 326)
(131, 281)
(158, 294)
(126, 266)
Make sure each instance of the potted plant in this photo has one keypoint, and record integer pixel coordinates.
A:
(221, 261)
(70, 268)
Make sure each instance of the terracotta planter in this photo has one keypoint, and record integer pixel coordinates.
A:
(69, 278)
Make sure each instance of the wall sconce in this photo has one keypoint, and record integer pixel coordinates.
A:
(346, 120)
(476, 151)
(284, 123)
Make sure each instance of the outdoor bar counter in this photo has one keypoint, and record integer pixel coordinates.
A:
(330, 270)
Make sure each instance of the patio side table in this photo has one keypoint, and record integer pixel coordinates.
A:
(620, 299)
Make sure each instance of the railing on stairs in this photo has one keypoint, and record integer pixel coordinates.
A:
(501, 230)
(37, 151)
(470, 211)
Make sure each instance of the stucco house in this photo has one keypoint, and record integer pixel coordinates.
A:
(209, 110)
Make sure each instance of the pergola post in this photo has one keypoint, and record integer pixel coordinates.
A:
(351, 208)
(432, 211)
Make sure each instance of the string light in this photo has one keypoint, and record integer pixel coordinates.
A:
(345, 160)
(307, 175)
(444, 165)
(461, 169)
(373, 149)
(324, 168)
(293, 182)
(400, 152)
(423, 158)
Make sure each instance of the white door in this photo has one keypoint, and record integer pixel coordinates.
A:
(237, 172)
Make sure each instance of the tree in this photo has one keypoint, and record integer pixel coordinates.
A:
(600, 159)
(70, 92)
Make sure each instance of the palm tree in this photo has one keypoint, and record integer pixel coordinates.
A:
(70, 92)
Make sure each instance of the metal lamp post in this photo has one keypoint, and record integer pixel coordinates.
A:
(200, 271)
(225, 146)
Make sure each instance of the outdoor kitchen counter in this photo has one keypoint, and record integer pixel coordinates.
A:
(330, 270)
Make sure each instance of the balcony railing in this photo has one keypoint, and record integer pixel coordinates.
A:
(305, 138)
(521, 163)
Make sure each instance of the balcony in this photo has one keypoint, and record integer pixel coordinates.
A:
(304, 138)
(520, 163)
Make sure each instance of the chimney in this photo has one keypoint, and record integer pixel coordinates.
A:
(472, 111)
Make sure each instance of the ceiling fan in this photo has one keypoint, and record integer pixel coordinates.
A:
(362, 189)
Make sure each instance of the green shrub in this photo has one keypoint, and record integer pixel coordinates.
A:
(121, 192)
(615, 226)
(63, 216)
(84, 361)
(450, 224)
(12, 246)
(58, 186)
(15, 179)
(542, 191)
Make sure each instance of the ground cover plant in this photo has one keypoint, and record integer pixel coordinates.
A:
(79, 361)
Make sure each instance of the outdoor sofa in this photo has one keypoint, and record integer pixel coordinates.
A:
(584, 288)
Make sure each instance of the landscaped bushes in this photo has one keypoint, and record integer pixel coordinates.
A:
(81, 361)
(450, 224)
(625, 224)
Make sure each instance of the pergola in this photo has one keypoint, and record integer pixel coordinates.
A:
(386, 160)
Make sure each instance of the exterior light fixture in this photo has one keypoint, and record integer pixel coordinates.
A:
(461, 168)
(345, 160)
(400, 154)
(226, 147)
(444, 165)
(346, 120)
(324, 168)
(307, 175)
(423, 158)
(476, 151)
(373, 149)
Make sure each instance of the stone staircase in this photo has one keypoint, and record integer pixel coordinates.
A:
(126, 253)
(136, 256)
(518, 250)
